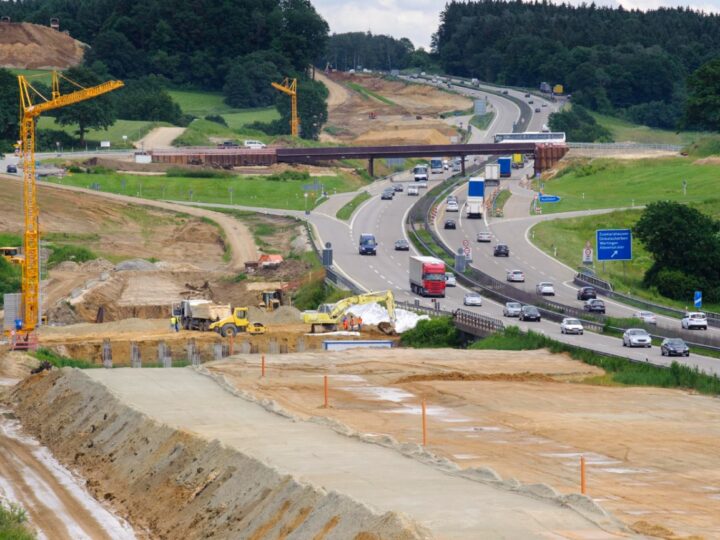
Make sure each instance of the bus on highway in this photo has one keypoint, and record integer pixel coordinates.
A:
(436, 166)
(557, 137)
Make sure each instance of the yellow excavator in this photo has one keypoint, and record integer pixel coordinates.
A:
(327, 316)
(11, 254)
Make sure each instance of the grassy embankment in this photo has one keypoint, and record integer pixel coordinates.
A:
(282, 190)
(346, 211)
(605, 183)
(134, 130)
(482, 121)
(14, 523)
(366, 93)
(624, 131)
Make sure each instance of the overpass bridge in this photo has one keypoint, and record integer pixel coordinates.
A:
(546, 155)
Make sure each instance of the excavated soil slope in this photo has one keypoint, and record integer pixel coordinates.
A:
(32, 46)
(176, 485)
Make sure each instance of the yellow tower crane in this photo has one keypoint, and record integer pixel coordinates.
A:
(290, 88)
(29, 112)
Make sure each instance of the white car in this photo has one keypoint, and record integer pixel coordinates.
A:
(413, 191)
(421, 184)
(512, 309)
(648, 317)
(255, 145)
(450, 280)
(472, 299)
(636, 337)
(695, 320)
(545, 288)
(452, 206)
(484, 236)
(516, 275)
(571, 326)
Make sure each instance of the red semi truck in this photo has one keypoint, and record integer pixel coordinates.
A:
(427, 276)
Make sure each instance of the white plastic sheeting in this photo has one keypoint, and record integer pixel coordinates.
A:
(374, 314)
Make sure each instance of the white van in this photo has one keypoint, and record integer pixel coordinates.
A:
(255, 145)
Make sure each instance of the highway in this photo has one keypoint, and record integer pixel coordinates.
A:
(389, 269)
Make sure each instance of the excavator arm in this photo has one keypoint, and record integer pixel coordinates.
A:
(328, 314)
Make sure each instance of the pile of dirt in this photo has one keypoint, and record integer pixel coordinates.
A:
(460, 376)
(175, 485)
(282, 315)
(32, 46)
(402, 136)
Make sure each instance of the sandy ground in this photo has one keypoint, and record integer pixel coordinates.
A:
(236, 234)
(34, 46)
(450, 506)
(526, 416)
(160, 138)
(396, 123)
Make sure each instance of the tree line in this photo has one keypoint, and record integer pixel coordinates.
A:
(629, 63)
(365, 50)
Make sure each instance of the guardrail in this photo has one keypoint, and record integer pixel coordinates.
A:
(624, 146)
(604, 288)
(465, 321)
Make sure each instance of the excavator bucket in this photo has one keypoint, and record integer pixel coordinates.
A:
(386, 328)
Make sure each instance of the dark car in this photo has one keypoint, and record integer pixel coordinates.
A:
(594, 306)
(450, 224)
(505, 92)
(586, 293)
(537, 109)
(11, 169)
(398, 187)
(674, 347)
(501, 250)
(387, 195)
(402, 245)
(529, 313)
(367, 244)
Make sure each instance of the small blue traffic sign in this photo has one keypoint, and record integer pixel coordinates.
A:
(614, 244)
(548, 198)
(698, 299)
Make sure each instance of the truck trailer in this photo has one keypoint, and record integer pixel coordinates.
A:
(427, 276)
(492, 171)
(475, 198)
(505, 163)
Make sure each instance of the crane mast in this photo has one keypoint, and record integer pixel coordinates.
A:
(289, 87)
(29, 113)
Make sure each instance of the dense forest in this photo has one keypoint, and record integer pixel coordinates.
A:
(364, 50)
(630, 63)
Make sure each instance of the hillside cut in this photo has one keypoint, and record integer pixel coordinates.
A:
(32, 46)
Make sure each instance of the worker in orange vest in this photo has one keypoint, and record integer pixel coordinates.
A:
(359, 323)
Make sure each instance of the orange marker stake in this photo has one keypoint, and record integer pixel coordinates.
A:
(263, 365)
(424, 423)
(582, 475)
(232, 345)
(325, 381)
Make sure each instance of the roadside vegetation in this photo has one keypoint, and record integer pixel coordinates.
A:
(620, 371)
(607, 183)
(14, 523)
(625, 131)
(432, 333)
(482, 121)
(282, 190)
(502, 198)
(346, 211)
(59, 361)
(134, 130)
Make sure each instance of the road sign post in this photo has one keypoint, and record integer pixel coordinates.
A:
(587, 254)
(548, 198)
(697, 300)
(613, 244)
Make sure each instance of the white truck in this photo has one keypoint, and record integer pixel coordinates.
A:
(492, 171)
(420, 173)
(475, 198)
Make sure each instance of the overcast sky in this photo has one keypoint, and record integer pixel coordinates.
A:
(418, 19)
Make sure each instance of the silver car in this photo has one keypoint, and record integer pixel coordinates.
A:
(571, 326)
(512, 309)
(636, 337)
(484, 236)
(648, 317)
(472, 299)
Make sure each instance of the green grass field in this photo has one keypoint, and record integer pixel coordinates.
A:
(624, 131)
(606, 183)
(570, 235)
(250, 191)
(134, 129)
(31, 72)
(201, 104)
(368, 94)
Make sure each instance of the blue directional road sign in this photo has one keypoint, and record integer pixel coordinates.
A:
(613, 244)
(698, 299)
(549, 198)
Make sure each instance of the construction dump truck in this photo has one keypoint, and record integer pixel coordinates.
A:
(270, 299)
(204, 315)
(327, 316)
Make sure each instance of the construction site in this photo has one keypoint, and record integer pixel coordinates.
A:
(205, 404)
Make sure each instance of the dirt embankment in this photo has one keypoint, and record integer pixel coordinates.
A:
(406, 114)
(175, 485)
(33, 46)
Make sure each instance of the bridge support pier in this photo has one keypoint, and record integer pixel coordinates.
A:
(462, 161)
(371, 167)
